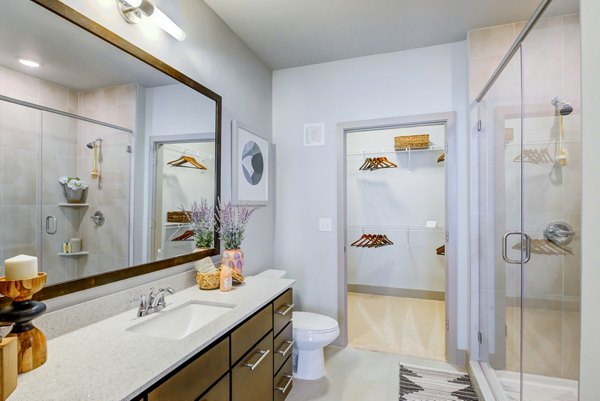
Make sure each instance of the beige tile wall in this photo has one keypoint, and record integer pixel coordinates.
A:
(108, 244)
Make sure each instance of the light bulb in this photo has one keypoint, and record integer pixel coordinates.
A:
(29, 63)
(160, 19)
(134, 3)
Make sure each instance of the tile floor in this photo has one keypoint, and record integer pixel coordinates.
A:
(359, 375)
(405, 326)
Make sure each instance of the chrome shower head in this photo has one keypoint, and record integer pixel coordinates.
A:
(97, 141)
(562, 108)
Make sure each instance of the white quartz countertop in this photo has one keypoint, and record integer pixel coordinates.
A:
(104, 361)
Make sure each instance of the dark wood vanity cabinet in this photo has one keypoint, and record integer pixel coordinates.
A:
(253, 362)
(283, 344)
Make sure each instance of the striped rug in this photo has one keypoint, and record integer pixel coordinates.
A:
(423, 384)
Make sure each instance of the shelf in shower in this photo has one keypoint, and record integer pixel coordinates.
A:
(73, 254)
(73, 204)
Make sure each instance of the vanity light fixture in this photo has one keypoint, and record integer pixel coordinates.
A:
(133, 11)
(29, 63)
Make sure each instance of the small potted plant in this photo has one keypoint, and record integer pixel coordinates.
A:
(74, 188)
(202, 221)
(232, 226)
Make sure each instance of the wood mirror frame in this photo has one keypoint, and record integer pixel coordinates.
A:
(78, 19)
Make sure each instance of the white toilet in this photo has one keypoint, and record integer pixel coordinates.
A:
(312, 332)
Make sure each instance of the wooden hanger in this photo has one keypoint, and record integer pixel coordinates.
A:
(187, 159)
(375, 163)
(372, 241)
(185, 236)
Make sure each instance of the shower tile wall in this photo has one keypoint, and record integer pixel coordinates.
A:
(29, 139)
(551, 193)
(108, 244)
(23, 187)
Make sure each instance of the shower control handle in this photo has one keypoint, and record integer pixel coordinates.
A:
(51, 225)
(559, 233)
(527, 255)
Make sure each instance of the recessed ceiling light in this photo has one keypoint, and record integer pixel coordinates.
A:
(29, 63)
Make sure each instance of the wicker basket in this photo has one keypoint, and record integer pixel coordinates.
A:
(208, 281)
(178, 216)
(411, 141)
(211, 281)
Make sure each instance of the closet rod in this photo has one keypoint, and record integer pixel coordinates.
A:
(391, 151)
(396, 228)
(62, 113)
(189, 152)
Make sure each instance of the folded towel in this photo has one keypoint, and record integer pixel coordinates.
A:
(205, 266)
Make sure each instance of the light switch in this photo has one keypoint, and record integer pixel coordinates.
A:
(325, 224)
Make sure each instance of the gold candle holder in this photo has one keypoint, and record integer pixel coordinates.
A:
(32, 347)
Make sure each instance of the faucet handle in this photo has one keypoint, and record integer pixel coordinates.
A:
(169, 289)
(143, 307)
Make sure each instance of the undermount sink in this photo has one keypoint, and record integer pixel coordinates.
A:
(181, 321)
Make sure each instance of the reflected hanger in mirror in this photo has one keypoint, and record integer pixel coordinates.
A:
(187, 159)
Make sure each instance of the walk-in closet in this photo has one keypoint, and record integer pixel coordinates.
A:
(396, 235)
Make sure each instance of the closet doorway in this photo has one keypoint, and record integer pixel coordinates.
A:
(395, 269)
(183, 173)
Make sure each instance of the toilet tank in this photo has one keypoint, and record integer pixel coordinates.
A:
(273, 273)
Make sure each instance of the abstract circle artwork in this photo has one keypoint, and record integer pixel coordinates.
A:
(252, 163)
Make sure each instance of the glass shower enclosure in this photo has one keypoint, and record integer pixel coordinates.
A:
(529, 162)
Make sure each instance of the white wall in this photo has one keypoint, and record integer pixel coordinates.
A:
(213, 55)
(589, 386)
(420, 81)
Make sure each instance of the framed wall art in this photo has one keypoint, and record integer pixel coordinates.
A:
(250, 166)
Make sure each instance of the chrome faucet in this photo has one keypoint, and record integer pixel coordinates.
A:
(154, 302)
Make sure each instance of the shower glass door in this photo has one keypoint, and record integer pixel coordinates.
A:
(529, 228)
(551, 205)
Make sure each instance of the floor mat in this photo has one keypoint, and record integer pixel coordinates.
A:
(422, 384)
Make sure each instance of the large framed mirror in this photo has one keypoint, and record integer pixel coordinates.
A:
(91, 147)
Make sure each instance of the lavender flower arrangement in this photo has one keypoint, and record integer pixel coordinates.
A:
(232, 223)
(202, 223)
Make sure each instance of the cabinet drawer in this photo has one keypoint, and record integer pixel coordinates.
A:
(283, 381)
(282, 309)
(282, 346)
(251, 378)
(195, 378)
(220, 392)
(250, 332)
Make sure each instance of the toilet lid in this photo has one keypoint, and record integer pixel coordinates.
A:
(313, 322)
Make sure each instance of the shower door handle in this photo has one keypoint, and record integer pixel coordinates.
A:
(51, 225)
(505, 247)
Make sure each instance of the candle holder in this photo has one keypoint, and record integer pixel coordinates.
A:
(32, 347)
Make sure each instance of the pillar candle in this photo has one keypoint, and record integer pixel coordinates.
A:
(21, 267)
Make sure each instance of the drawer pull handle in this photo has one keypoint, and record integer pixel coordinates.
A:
(287, 385)
(254, 365)
(288, 307)
(287, 349)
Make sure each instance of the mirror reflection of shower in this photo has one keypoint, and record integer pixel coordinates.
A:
(96, 146)
(561, 109)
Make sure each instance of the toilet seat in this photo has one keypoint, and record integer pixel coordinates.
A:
(313, 323)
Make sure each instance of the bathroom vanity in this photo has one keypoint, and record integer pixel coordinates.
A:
(243, 354)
